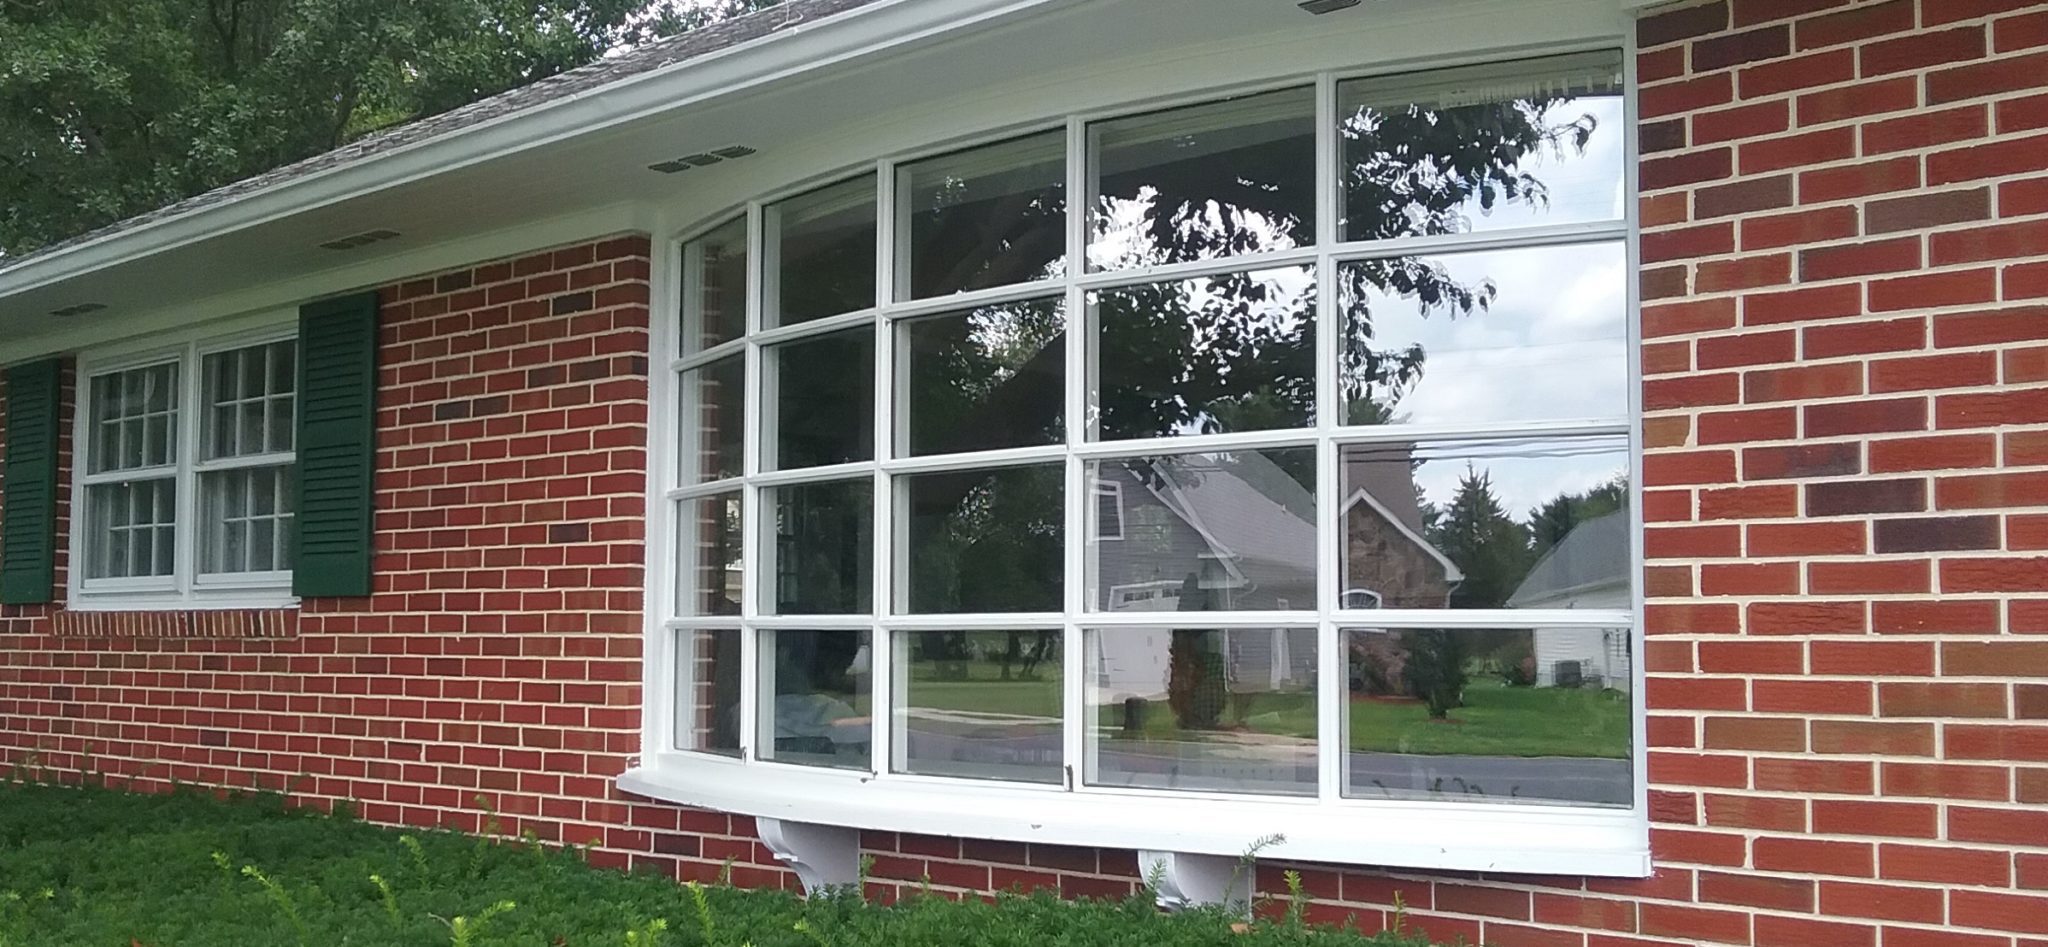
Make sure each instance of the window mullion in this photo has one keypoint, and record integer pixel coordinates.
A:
(881, 650)
(186, 543)
(1331, 680)
(755, 543)
(1078, 378)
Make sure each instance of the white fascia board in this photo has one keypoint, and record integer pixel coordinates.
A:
(801, 48)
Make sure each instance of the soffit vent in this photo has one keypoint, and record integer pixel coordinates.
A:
(702, 159)
(77, 310)
(363, 239)
(1320, 7)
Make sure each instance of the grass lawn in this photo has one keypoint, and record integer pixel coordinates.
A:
(100, 868)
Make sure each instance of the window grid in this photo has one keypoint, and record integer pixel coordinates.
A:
(209, 519)
(892, 463)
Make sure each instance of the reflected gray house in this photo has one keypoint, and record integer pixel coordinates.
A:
(1588, 569)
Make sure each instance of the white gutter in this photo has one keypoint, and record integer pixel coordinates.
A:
(800, 48)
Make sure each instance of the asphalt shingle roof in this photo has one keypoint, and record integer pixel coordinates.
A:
(639, 61)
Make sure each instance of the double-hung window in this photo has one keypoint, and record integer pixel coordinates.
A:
(186, 475)
(1261, 464)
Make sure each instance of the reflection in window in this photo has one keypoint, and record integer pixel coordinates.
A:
(817, 686)
(986, 379)
(715, 287)
(984, 540)
(1489, 715)
(710, 566)
(134, 525)
(135, 416)
(822, 559)
(1109, 511)
(1228, 531)
(824, 245)
(1212, 709)
(246, 519)
(1214, 354)
(824, 400)
(708, 691)
(713, 422)
(987, 216)
(980, 704)
(1202, 182)
(1495, 524)
(1482, 148)
(1535, 333)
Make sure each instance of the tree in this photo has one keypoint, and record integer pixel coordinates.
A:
(1489, 547)
(112, 108)
(1550, 523)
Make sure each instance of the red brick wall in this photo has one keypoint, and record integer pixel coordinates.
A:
(1845, 219)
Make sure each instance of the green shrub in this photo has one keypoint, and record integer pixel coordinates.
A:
(98, 867)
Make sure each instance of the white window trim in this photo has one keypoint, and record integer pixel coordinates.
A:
(1114, 490)
(1493, 837)
(185, 587)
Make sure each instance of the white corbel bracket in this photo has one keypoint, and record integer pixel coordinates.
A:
(824, 857)
(1186, 879)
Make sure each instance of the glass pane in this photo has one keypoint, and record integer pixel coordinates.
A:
(287, 480)
(816, 687)
(824, 400)
(1471, 338)
(708, 691)
(1203, 182)
(711, 556)
(825, 253)
(984, 540)
(133, 438)
(715, 287)
(281, 418)
(1482, 148)
(1214, 709)
(714, 420)
(130, 529)
(979, 704)
(821, 562)
(1227, 531)
(255, 374)
(989, 216)
(986, 379)
(254, 426)
(284, 367)
(1489, 715)
(1233, 352)
(1523, 523)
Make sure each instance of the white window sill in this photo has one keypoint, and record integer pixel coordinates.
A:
(222, 600)
(1517, 839)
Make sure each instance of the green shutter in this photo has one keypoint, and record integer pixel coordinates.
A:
(337, 435)
(28, 532)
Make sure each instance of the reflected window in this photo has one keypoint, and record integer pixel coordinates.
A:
(984, 541)
(1490, 715)
(980, 704)
(1205, 709)
(817, 687)
(1211, 355)
(715, 287)
(823, 391)
(1531, 334)
(713, 420)
(1210, 532)
(1482, 148)
(710, 567)
(986, 379)
(1207, 181)
(822, 556)
(987, 216)
(824, 246)
(708, 691)
(1493, 524)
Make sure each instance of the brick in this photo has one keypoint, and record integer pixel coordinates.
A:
(1691, 391)
(1935, 534)
(1999, 242)
(1749, 348)
(1742, 197)
(1758, 891)
(1928, 372)
(1926, 129)
(2022, 406)
(1752, 657)
(2025, 744)
(1811, 697)
(1745, 426)
(1806, 539)
(1806, 618)
(1796, 151)
(1885, 176)
(1866, 496)
(1894, 819)
(2025, 365)
(1951, 11)
(1488, 902)
(1743, 121)
(1764, 813)
(1813, 856)
(1871, 738)
(1766, 734)
(1735, 49)
(1946, 781)
(1698, 924)
(1886, 658)
(1749, 272)
(1866, 417)
(1659, 137)
(1817, 225)
(1683, 318)
(1881, 902)
(1664, 283)
(1655, 174)
(2012, 74)
(1921, 937)
(1922, 211)
(1801, 305)
(1860, 259)
(1803, 383)
(2001, 659)
(1740, 503)
(1671, 358)
(1999, 911)
(1689, 468)
(1922, 50)
(1798, 72)
(1985, 160)
(2018, 115)
(1681, 24)
(1864, 338)
(1855, 24)
(1801, 461)
(1942, 865)
(1991, 491)
(1946, 452)
(2020, 32)
(1916, 699)
(1884, 577)
(1859, 100)
(2024, 198)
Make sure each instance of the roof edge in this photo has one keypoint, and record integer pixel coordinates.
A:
(800, 48)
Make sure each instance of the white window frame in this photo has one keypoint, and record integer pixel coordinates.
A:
(186, 587)
(1329, 827)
